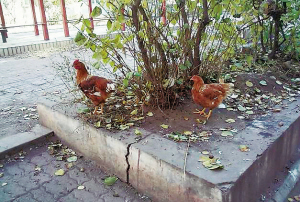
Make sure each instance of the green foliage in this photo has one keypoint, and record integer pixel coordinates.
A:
(263, 32)
(198, 38)
(96, 12)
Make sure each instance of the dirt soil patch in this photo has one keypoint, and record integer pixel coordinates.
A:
(255, 95)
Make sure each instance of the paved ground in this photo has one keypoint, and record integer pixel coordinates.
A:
(24, 81)
(29, 176)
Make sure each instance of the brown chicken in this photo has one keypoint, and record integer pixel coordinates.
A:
(96, 88)
(209, 95)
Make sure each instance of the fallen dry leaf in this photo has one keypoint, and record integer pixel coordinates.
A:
(276, 110)
(124, 127)
(263, 83)
(211, 163)
(187, 132)
(226, 133)
(69, 165)
(134, 112)
(109, 181)
(149, 114)
(37, 168)
(249, 83)
(59, 172)
(72, 159)
(80, 187)
(297, 198)
(164, 126)
(244, 148)
(204, 158)
(137, 132)
(229, 120)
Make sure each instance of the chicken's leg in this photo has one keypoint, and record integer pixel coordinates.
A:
(209, 114)
(102, 105)
(101, 109)
(96, 109)
(206, 115)
(201, 112)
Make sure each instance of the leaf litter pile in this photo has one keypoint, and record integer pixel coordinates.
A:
(121, 111)
(63, 153)
(256, 96)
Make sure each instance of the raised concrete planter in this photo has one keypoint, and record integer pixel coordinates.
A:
(154, 165)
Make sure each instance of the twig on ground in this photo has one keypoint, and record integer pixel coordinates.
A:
(185, 158)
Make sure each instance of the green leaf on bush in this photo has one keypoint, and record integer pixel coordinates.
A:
(106, 60)
(125, 82)
(109, 24)
(182, 67)
(97, 56)
(86, 23)
(188, 63)
(79, 36)
(249, 59)
(137, 74)
(112, 63)
(103, 54)
(96, 12)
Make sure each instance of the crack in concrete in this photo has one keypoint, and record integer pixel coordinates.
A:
(127, 155)
(127, 161)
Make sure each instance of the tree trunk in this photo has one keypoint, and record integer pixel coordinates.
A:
(275, 47)
(141, 43)
(200, 31)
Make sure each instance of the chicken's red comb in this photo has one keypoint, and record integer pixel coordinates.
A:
(76, 61)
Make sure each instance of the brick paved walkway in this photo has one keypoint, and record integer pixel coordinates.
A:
(29, 176)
